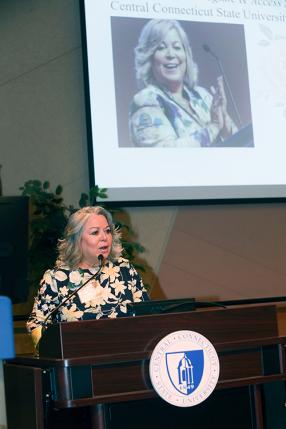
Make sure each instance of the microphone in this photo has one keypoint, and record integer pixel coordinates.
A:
(212, 53)
(53, 313)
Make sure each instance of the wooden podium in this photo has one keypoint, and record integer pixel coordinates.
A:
(95, 373)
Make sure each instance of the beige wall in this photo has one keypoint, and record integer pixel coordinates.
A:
(229, 252)
(42, 124)
(223, 251)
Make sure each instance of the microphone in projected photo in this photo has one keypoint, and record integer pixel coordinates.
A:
(219, 63)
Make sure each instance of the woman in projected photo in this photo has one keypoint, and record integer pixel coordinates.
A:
(172, 110)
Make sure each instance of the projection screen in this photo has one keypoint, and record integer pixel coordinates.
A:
(142, 154)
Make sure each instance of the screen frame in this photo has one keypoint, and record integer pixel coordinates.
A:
(263, 193)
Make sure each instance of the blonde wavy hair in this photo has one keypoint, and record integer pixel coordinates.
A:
(69, 248)
(151, 37)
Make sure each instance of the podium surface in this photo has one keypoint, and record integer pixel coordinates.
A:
(102, 367)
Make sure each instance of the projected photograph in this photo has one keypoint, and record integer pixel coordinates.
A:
(180, 84)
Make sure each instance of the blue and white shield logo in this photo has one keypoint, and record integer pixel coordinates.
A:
(185, 370)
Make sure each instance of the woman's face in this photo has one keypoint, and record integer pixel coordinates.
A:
(96, 240)
(169, 61)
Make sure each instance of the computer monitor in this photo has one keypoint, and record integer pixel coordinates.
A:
(161, 306)
(14, 248)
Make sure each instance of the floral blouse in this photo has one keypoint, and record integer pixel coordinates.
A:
(106, 296)
(157, 120)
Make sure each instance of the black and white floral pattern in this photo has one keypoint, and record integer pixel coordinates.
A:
(117, 285)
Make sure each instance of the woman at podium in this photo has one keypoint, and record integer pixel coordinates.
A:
(90, 280)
